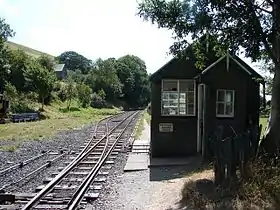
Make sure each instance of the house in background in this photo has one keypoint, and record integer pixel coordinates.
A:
(188, 104)
(60, 71)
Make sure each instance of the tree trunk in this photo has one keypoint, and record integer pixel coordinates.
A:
(272, 133)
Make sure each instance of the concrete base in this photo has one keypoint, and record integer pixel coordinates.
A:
(136, 162)
(158, 162)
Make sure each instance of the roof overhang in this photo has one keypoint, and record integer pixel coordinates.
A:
(227, 57)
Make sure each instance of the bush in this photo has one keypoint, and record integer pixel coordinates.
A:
(84, 94)
(97, 101)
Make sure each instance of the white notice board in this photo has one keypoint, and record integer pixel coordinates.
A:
(166, 127)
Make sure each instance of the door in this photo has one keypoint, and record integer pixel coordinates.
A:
(201, 118)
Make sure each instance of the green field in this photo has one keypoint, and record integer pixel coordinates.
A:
(28, 50)
(57, 119)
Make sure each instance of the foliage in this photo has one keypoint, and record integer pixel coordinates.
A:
(97, 101)
(74, 61)
(46, 62)
(41, 79)
(84, 94)
(70, 91)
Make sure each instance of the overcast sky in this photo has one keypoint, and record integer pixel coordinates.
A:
(93, 28)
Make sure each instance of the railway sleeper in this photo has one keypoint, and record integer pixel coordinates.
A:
(87, 168)
(97, 180)
(81, 173)
(90, 162)
(66, 187)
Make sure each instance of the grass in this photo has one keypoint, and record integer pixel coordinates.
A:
(263, 121)
(56, 120)
(145, 116)
(28, 50)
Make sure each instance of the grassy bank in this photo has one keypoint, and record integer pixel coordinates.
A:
(57, 118)
(145, 116)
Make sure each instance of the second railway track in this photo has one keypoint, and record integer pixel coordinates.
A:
(79, 182)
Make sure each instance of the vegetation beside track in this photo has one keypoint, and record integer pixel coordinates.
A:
(145, 116)
(57, 119)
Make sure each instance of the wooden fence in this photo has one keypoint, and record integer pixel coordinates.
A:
(232, 153)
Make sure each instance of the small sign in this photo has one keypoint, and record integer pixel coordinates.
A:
(165, 127)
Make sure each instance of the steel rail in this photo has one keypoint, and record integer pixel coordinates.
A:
(79, 194)
(93, 137)
(21, 164)
(65, 171)
(33, 172)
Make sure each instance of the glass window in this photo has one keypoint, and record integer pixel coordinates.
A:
(178, 97)
(225, 103)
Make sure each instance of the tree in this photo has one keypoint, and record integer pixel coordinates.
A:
(70, 91)
(251, 25)
(47, 62)
(74, 61)
(41, 79)
(19, 63)
(5, 33)
(84, 94)
(133, 74)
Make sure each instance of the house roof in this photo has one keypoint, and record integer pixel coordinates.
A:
(59, 67)
(249, 70)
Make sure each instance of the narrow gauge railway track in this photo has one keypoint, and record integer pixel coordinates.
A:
(77, 183)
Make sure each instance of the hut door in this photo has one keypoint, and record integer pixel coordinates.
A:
(201, 117)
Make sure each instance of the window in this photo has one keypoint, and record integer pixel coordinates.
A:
(178, 98)
(225, 103)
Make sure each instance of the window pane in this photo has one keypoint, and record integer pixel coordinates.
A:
(229, 96)
(170, 85)
(182, 97)
(220, 108)
(173, 96)
(165, 95)
(221, 96)
(182, 109)
(165, 104)
(186, 86)
(173, 111)
(190, 109)
(190, 97)
(229, 109)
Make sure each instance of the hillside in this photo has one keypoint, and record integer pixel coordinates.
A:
(28, 50)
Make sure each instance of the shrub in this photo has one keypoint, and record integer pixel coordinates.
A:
(84, 94)
(97, 101)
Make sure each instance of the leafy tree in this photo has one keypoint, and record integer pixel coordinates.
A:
(41, 79)
(84, 94)
(5, 33)
(133, 74)
(47, 62)
(107, 79)
(251, 24)
(74, 61)
(70, 91)
(19, 63)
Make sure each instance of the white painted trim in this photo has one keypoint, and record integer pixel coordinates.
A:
(178, 91)
(213, 64)
(240, 65)
(221, 58)
(233, 103)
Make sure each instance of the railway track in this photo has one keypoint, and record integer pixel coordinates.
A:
(80, 181)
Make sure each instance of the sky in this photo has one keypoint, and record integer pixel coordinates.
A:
(93, 28)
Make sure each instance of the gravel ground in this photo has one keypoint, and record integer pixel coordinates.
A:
(66, 140)
(156, 188)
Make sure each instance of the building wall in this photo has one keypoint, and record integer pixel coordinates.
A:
(182, 141)
(246, 100)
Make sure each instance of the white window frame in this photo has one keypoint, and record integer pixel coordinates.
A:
(224, 102)
(178, 91)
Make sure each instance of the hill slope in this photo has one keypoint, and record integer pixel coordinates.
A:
(28, 50)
